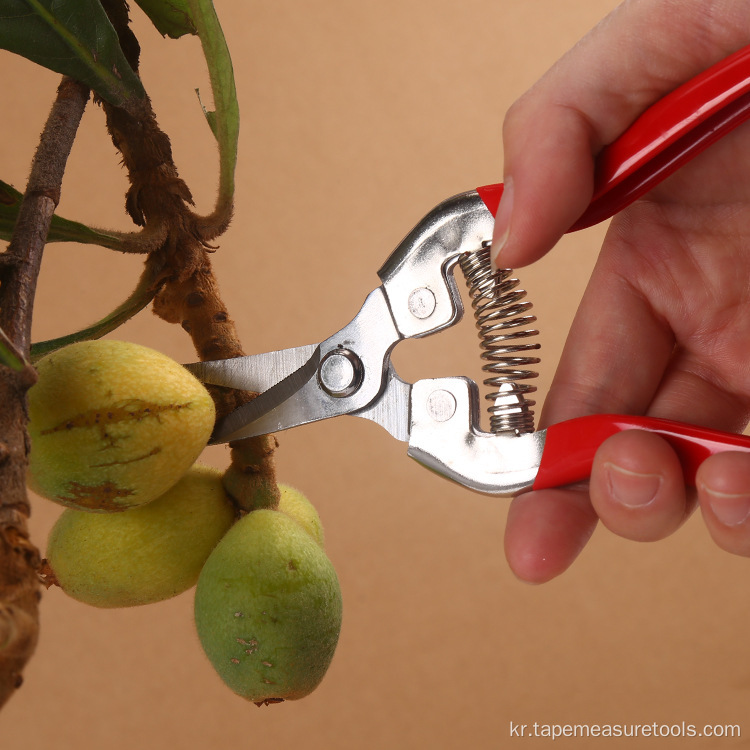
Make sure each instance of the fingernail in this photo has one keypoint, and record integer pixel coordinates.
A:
(731, 510)
(631, 489)
(502, 222)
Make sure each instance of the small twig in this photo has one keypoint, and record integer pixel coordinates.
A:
(19, 559)
(35, 215)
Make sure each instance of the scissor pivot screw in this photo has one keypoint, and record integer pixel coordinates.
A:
(341, 372)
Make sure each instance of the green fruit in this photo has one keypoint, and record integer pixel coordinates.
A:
(145, 554)
(295, 504)
(113, 425)
(268, 608)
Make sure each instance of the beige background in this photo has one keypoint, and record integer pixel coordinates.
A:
(357, 118)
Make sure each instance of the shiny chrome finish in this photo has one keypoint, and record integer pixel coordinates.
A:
(369, 338)
(255, 373)
(341, 373)
(391, 409)
(417, 277)
(351, 372)
(444, 437)
(226, 429)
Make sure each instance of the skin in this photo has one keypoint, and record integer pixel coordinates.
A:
(113, 425)
(146, 554)
(296, 505)
(268, 608)
(669, 289)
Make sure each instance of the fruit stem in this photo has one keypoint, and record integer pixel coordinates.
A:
(250, 479)
(195, 303)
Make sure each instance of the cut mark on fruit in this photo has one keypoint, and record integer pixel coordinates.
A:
(152, 452)
(100, 496)
(135, 409)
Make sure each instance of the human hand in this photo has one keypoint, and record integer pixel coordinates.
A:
(663, 325)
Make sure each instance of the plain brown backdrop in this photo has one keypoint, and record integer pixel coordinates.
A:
(357, 118)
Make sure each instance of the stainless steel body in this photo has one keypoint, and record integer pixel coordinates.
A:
(351, 373)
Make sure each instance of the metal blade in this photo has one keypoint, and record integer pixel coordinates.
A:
(243, 422)
(312, 392)
(309, 403)
(257, 372)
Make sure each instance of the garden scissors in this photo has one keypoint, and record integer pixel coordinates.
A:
(351, 373)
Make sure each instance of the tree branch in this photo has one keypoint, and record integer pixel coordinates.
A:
(19, 559)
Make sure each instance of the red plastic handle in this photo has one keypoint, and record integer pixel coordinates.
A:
(570, 446)
(666, 136)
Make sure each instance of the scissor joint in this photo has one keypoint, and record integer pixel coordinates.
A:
(341, 372)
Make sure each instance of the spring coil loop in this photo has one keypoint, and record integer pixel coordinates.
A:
(501, 317)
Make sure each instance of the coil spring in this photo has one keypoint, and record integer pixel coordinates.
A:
(501, 317)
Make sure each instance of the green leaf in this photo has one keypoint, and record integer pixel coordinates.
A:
(224, 121)
(9, 355)
(61, 230)
(74, 38)
(140, 298)
(171, 17)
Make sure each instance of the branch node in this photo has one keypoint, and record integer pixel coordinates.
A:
(52, 194)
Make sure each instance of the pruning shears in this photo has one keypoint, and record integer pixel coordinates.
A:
(350, 373)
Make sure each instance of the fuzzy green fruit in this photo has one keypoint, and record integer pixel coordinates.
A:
(295, 504)
(145, 554)
(113, 425)
(268, 608)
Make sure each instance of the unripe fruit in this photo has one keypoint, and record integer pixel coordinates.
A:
(113, 425)
(145, 554)
(268, 608)
(295, 504)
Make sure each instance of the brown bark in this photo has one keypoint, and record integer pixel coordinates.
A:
(195, 303)
(19, 559)
(188, 292)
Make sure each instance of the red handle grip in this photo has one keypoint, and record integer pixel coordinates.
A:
(570, 446)
(667, 135)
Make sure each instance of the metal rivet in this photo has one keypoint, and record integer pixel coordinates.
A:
(422, 303)
(341, 373)
(441, 405)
